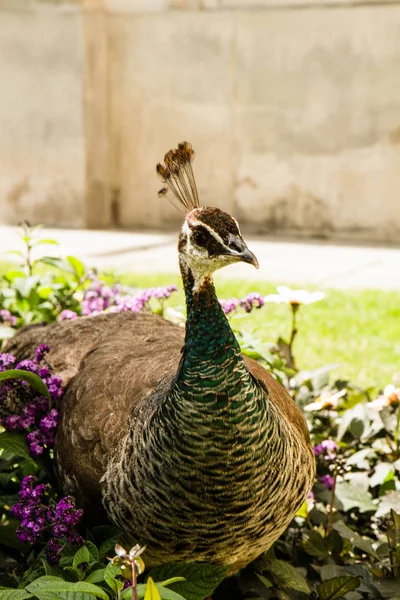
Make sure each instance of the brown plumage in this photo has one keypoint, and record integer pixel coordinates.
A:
(193, 449)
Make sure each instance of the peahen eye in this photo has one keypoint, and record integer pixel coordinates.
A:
(200, 237)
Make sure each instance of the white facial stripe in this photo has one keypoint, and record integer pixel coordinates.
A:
(237, 225)
(213, 233)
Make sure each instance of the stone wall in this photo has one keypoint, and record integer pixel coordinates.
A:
(293, 109)
(42, 145)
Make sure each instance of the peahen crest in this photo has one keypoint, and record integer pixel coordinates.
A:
(177, 174)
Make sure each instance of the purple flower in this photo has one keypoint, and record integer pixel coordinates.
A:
(328, 447)
(67, 314)
(32, 410)
(27, 365)
(252, 300)
(49, 422)
(40, 522)
(41, 351)
(7, 317)
(53, 551)
(328, 481)
(12, 422)
(6, 361)
(229, 305)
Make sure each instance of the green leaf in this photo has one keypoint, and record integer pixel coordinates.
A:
(25, 285)
(171, 580)
(11, 594)
(337, 587)
(47, 241)
(14, 444)
(303, 511)
(93, 551)
(111, 572)
(382, 472)
(56, 585)
(33, 380)
(360, 458)
(266, 582)
(387, 503)
(315, 544)
(53, 261)
(284, 575)
(81, 556)
(77, 266)
(351, 496)
(152, 592)
(165, 593)
(389, 588)
(96, 576)
(201, 579)
(355, 538)
(358, 414)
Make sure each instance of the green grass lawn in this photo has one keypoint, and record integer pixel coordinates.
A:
(357, 330)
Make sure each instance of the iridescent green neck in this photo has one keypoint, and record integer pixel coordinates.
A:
(209, 337)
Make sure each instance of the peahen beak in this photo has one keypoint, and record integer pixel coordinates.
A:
(239, 251)
(247, 256)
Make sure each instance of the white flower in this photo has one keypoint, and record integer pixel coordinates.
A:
(326, 401)
(390, 396)
(295, 297)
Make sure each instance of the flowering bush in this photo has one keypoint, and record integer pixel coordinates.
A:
(343, 543)
(22, 409)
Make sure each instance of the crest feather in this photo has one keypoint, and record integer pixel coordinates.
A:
(177, 175)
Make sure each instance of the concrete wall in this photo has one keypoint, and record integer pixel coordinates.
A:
(294, 112)
(42, 146)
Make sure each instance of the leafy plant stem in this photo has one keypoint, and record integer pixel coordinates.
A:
(331, 506)
(134, 580)
(396, 433)
(389, 541)
(28, 247)
(293, 333)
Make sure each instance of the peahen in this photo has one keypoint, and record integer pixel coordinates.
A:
(193, 449)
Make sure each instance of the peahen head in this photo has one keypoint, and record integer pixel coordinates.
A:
(210, 238)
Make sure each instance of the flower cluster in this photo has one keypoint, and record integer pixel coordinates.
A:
(6, 361)
(7, 318)
(327, 449)
(41, 522)
(328, 481)
(139, 301)
(99, 297)
(67, 314)
(24, 409)
(252, 300)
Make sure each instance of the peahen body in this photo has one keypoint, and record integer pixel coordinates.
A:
(193, 449)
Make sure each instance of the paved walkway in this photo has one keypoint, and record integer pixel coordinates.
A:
(323, 264)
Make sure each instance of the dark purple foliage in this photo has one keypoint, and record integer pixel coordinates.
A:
(30, 412)
(41, 522)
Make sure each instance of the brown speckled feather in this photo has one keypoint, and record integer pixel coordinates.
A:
(109, 364)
